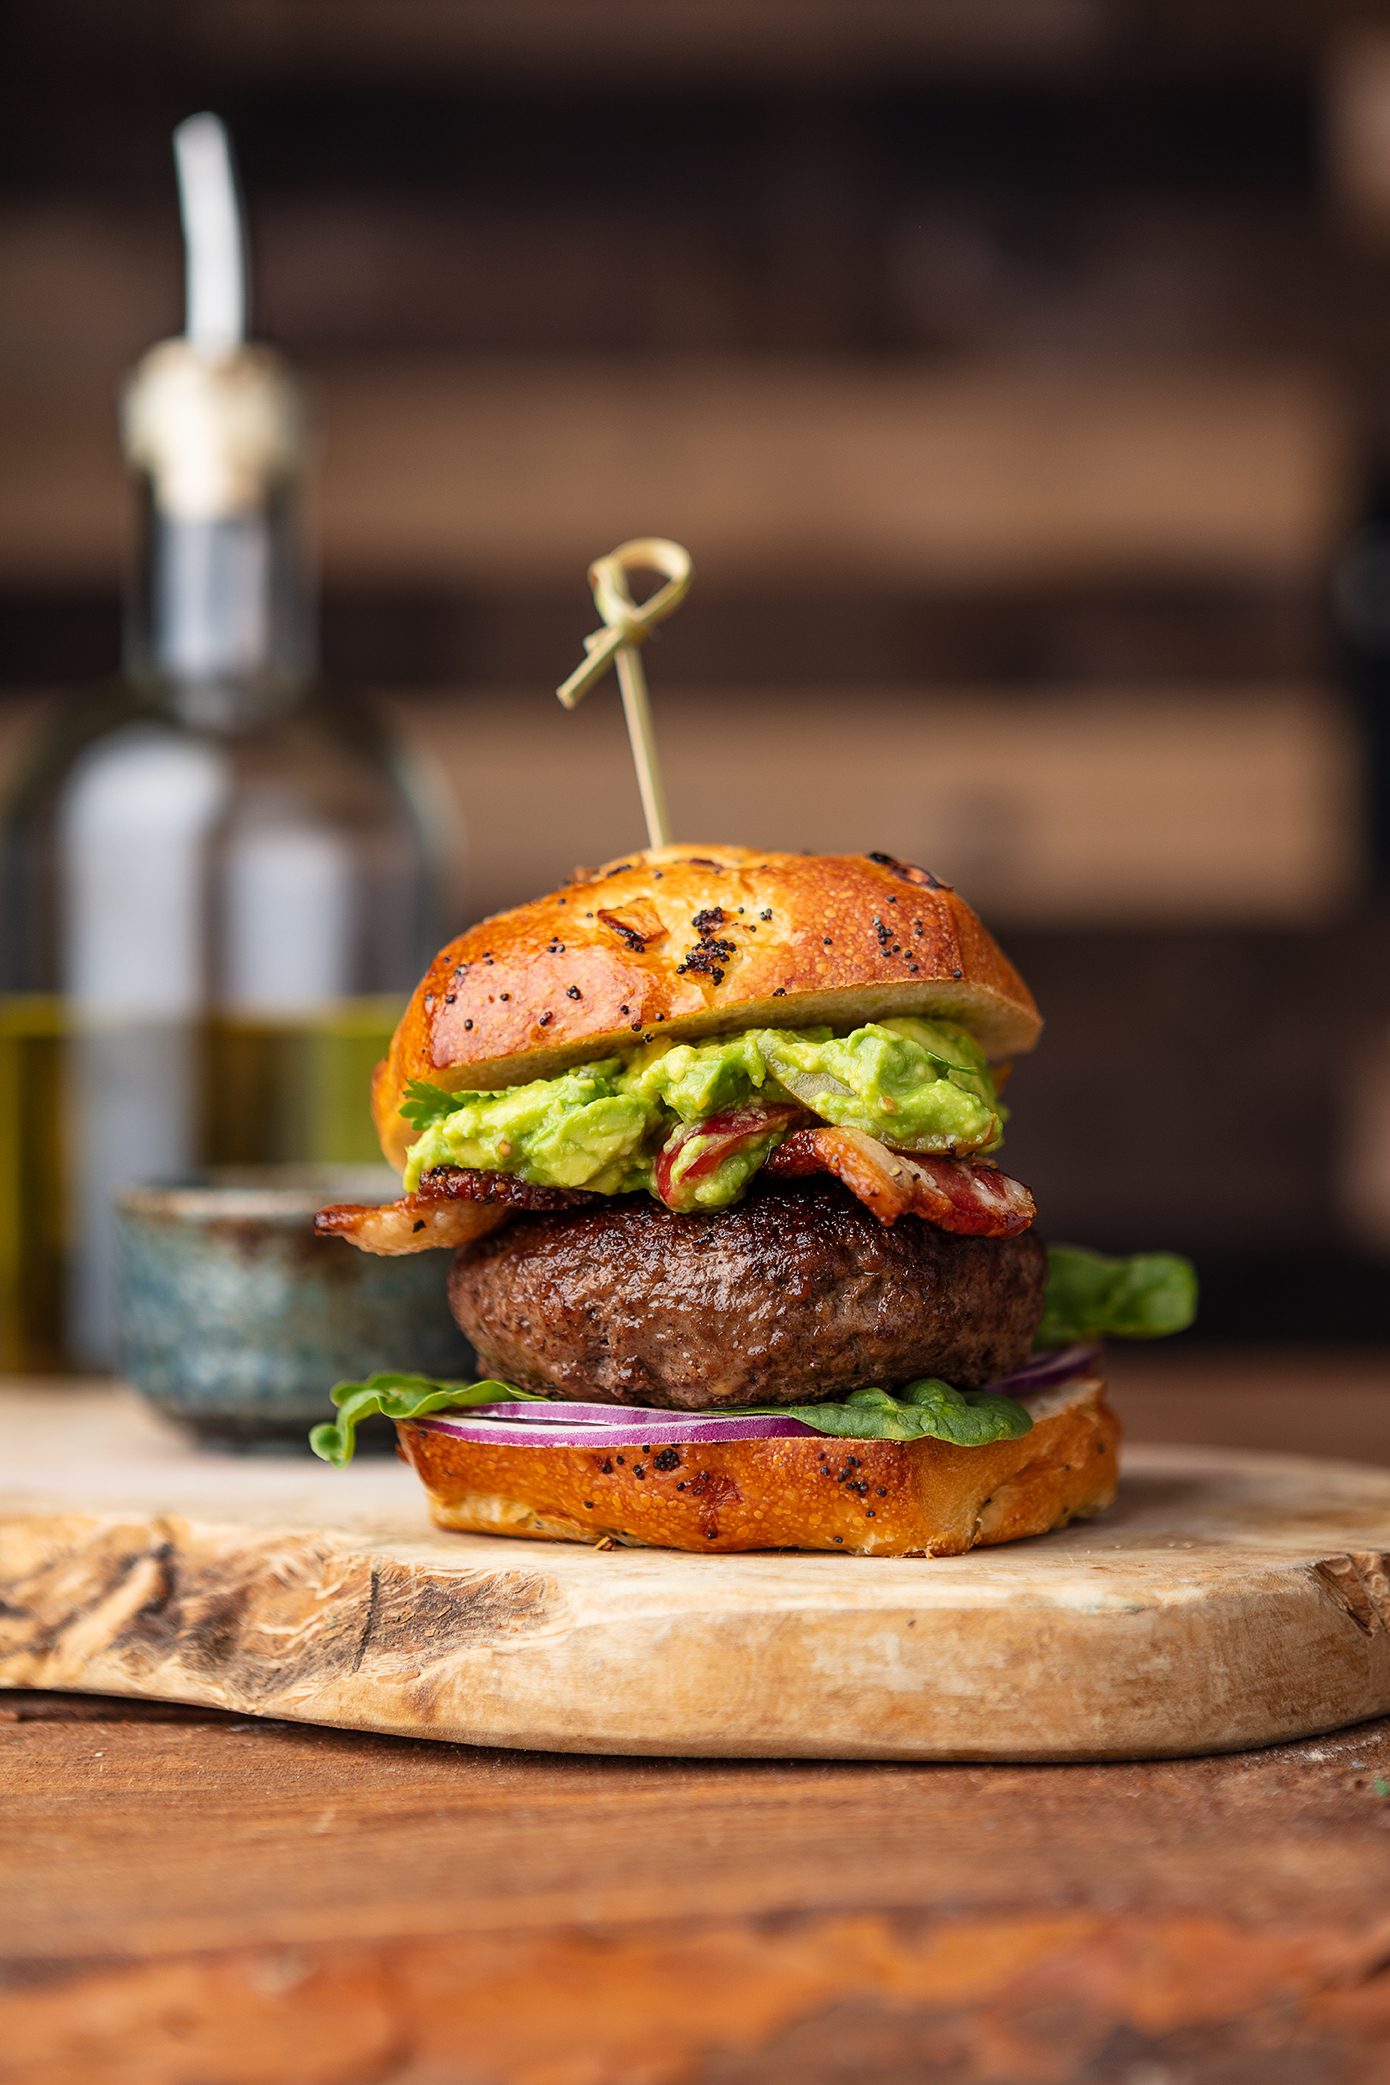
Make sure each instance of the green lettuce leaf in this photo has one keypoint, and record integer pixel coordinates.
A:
(925, 1410)
(1091, 1296)
(399, 1397)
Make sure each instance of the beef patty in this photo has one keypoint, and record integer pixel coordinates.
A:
(798, 1293)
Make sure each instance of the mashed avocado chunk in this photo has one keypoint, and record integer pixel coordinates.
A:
(919, 1085)
(694, 1080)
(576, 1130)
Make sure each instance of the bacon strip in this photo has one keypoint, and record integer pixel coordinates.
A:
(455, 1204)
(452, 1206)
(409, 1225)
(723, 1135)
(955, 1194)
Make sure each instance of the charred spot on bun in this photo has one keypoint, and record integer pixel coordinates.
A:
(713, 1132)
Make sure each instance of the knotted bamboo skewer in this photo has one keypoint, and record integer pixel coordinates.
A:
(628, 624)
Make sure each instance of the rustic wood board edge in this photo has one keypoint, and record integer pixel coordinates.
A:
(1227, 1601)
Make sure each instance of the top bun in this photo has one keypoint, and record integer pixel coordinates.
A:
(692, 941)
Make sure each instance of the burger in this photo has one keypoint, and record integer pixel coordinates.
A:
(714, 1134)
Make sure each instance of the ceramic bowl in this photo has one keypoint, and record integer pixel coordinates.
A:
(237, 1320)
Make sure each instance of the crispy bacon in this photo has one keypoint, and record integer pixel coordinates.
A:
(452, 1206)
(470, 1184)
(725, 1134)
(955, 1194)
(455, 1204)
(409, 1225)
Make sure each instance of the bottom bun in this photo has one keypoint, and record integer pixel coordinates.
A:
(866, 1498)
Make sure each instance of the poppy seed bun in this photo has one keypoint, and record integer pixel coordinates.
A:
(691, 941)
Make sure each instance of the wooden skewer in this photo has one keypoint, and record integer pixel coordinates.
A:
(628, 624)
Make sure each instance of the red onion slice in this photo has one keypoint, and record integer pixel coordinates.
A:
(644, 1429)
(1044, 1370)
(559, 1411)
(557, 1423)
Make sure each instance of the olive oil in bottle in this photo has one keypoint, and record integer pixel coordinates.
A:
(217, 887)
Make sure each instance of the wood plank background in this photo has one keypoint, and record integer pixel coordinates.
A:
(487, 471)
(1091, 806)
(598, 38)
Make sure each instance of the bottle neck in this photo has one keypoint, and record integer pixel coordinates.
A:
(220, 621)
(220, 624)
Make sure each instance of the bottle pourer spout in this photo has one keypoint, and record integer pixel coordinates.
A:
(216, 261)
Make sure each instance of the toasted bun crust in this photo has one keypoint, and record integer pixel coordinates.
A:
(867, 1498)
(688, 941)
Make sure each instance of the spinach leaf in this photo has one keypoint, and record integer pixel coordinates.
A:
(925, 1410)
(1091, 1296)
(399, 1397)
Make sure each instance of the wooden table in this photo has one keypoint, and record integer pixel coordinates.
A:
(192, 1898)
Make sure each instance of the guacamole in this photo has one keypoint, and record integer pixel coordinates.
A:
(919, 1085)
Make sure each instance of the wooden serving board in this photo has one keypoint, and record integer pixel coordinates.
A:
(1226, 1600)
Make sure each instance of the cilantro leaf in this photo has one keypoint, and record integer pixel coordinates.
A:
(424, 1103)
